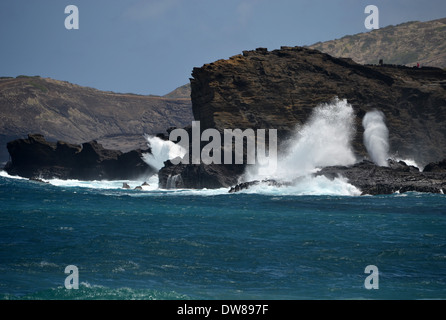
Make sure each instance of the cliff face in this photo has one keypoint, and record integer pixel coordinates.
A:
(278, 90)
(35, 157)
(64, 111)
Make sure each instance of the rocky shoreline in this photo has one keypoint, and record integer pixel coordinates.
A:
(37, 158)
(371, 179)
(279, 89)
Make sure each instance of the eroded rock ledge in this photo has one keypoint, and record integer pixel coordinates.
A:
(374, 180)
(35, 157)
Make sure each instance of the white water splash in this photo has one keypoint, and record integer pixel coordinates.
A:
(409, 162)
(324, 140)
(376, 137)
(162, 151)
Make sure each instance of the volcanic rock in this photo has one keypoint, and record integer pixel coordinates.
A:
(397, 177)
(279, 89)
(36, 157)
(371, 179)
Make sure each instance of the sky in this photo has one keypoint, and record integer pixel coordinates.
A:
(151, 46)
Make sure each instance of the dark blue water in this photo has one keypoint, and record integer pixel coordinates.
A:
(131, 244)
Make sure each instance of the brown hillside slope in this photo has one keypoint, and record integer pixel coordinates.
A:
(406, 44)
(63, 111)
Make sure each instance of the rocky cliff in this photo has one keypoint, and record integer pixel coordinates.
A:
(278, 89)
(36, 158)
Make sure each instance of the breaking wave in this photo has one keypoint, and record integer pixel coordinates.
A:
(162, 150)
(324, 140)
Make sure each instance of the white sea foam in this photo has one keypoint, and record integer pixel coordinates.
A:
(325, 140)
(105, 184)
(376, 137)
(308, 185)
(409, 162)
(161, 151)
(4, 174)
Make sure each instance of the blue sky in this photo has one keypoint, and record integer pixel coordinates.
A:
(151, 46)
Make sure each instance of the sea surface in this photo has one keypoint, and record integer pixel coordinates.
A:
(304, 243)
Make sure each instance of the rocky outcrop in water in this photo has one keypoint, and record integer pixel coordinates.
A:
(374, 180)
(35, 157)
(279, 89)
(397, 177)
(200, 176)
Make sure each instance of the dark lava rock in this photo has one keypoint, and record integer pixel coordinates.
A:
(279, 89)
(397, 177)
(436, 167)
(372, 179)
(35, 157)
(198, 176)
(249, 184)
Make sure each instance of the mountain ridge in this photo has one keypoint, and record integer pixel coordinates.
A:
(355, 46)
(64, 111)
(409, 43)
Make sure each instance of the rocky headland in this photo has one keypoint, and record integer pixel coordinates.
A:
(278, 89)
(36, 158)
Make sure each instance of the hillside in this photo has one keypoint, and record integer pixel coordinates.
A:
(63, 111)
(405, 44)
(182, 92)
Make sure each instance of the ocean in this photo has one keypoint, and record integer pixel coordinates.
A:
(311, 242)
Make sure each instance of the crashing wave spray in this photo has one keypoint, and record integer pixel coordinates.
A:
(324, 140)
(161, 151)
(376, 137)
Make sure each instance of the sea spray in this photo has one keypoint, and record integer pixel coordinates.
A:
(376, 137)
(161, 151)
(324, 140)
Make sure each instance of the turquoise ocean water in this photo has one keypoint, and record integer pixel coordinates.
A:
(184, 244)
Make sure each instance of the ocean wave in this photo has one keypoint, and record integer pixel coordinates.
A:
(4, 174)
(308, 185)
(87, 291)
